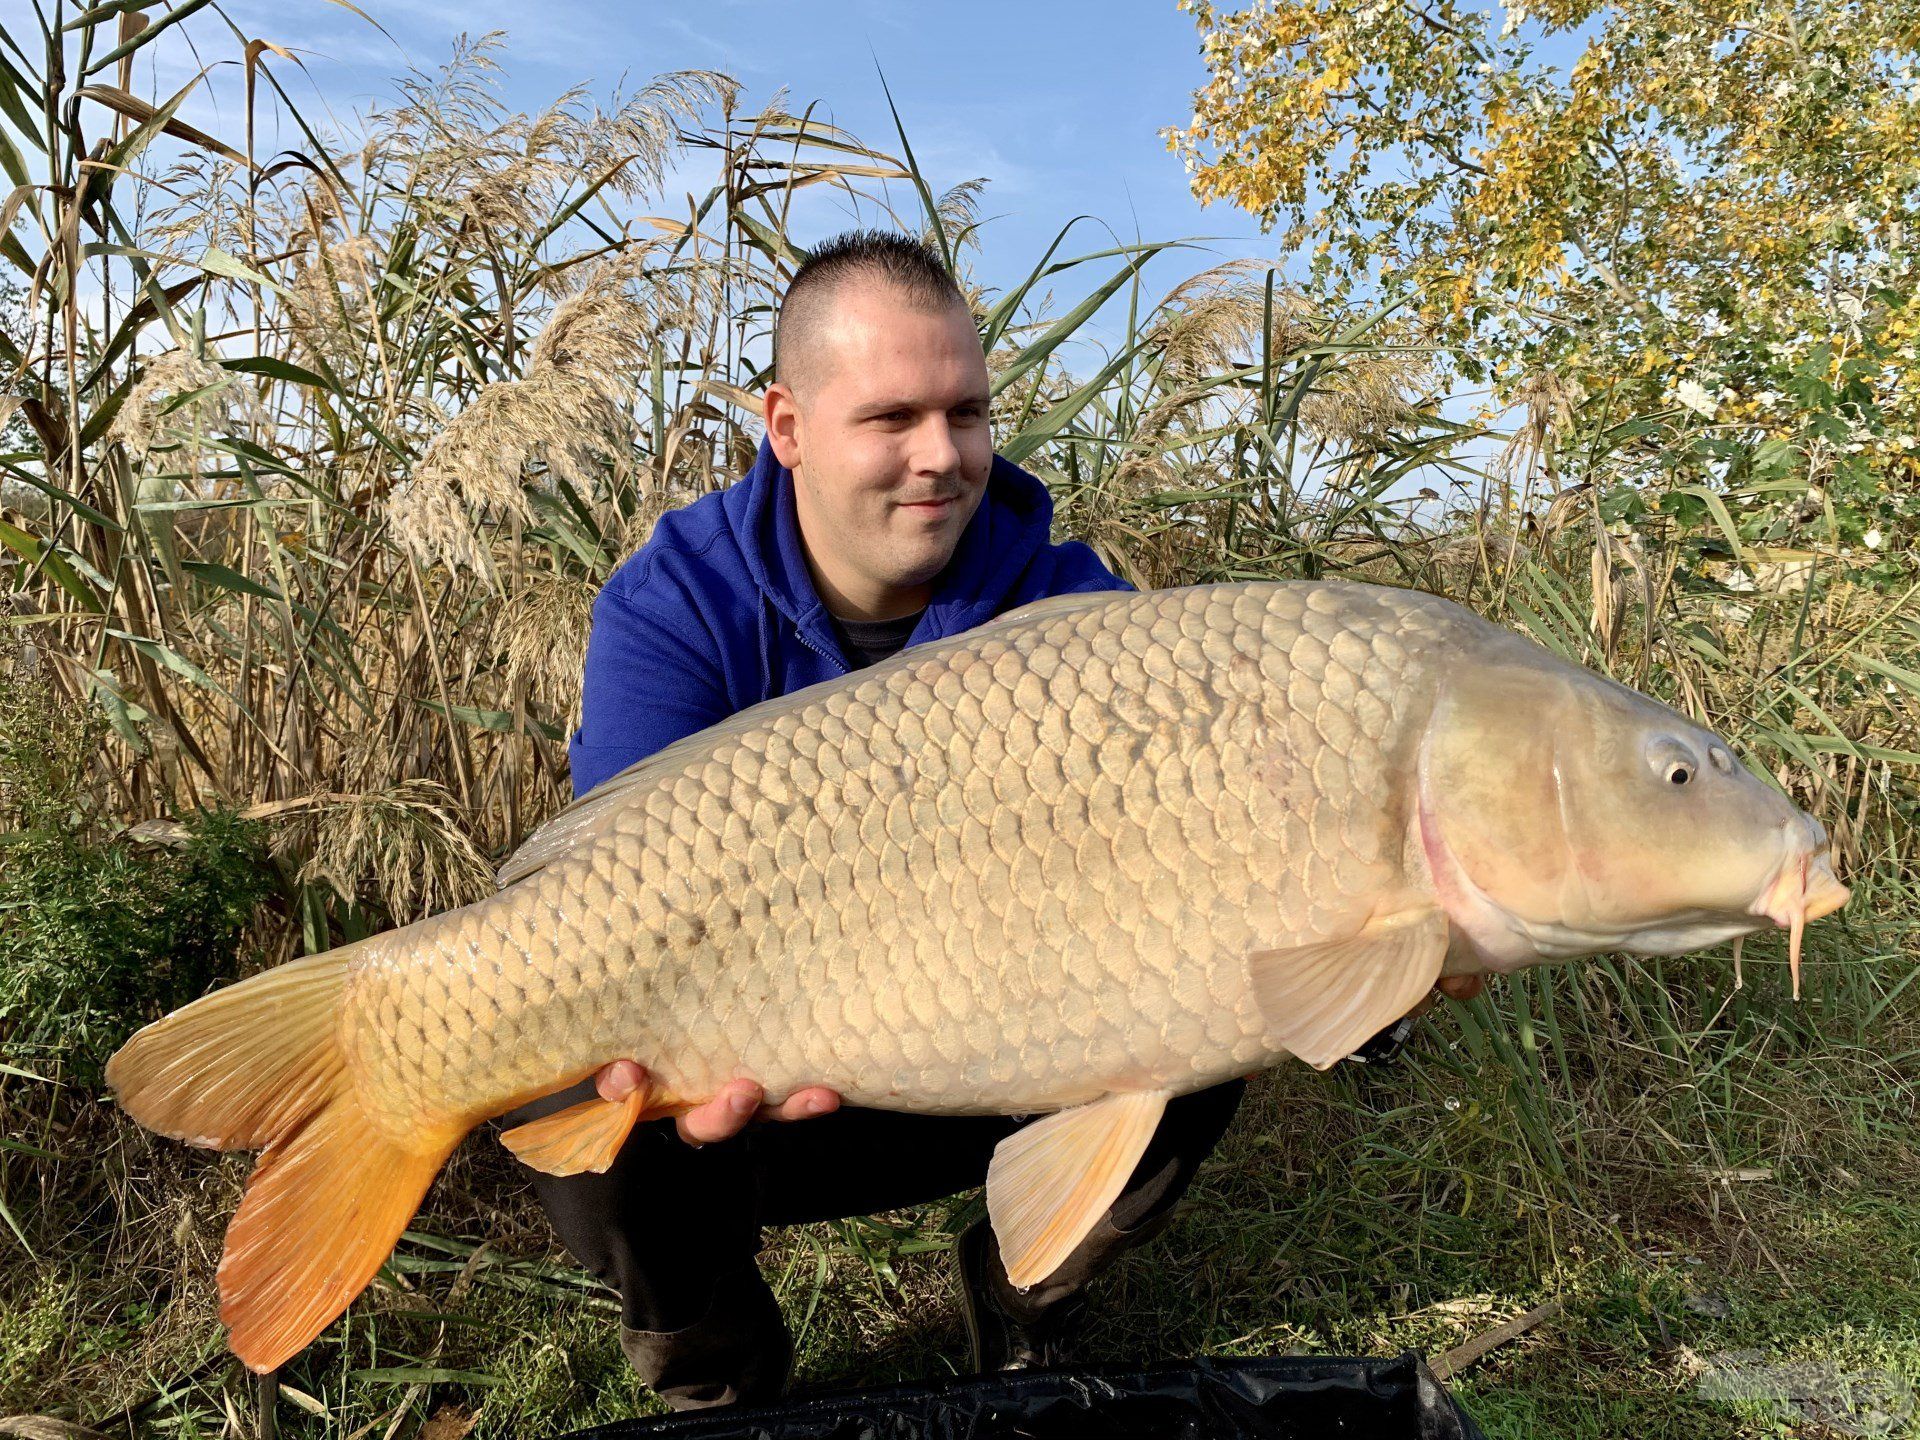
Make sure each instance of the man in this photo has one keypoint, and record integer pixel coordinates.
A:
(876, 516)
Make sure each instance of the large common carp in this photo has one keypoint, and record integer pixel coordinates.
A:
(1102, 851)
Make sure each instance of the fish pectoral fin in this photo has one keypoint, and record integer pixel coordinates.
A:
(1324, 1001)
(581, 1137)
(1049, 1182)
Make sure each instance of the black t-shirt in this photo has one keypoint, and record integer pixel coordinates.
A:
(866, 641)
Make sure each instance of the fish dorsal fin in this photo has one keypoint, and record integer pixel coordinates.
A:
(592, 812)
(1324, 1001)
(581, 1137)
(1049, 1182)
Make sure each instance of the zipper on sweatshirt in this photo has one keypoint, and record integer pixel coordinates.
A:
(836, 655)
(838, 660)
(766, 654)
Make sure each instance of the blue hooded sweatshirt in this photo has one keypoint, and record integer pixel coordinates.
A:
(717, 610)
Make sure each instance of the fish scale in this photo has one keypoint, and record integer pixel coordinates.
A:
(1004, 872)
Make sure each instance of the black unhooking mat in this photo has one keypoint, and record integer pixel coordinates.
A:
(1282, 1397)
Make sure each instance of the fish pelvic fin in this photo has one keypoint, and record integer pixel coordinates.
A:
(579, 1138)
(1324, 1001)
(258, 1065)
(1050, 1182)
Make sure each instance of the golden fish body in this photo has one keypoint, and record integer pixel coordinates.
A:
(1005, 872)
(1102, 851)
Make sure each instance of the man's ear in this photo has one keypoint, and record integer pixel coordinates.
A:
(782, 413)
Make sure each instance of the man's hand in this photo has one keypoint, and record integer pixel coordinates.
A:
(728, 1113)
(1454, 987)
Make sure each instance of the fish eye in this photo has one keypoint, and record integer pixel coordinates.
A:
(1672, 761)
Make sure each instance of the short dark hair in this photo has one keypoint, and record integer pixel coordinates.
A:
(899, 260)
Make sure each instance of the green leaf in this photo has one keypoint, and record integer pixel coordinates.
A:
(125, 103)
(766, 238)
(1063, 328)
(101, 12)
(1001, 315)
(15, 166)
(229, 579)
(1721, 517)
(913, 169)
(237, 503)
(123, 715)
(1039, 432)
(218, 262)
(1840, 745)
(120, 158)
(1773, 459)
(168, 658)
(13, 105)
(499, 721)
(278, 369)
(1907, 679)
(172, 17)
(35, 552)
(424, 1375)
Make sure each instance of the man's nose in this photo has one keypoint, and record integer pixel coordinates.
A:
(934, 448)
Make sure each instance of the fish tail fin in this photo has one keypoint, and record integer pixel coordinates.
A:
(259, 1065)
(322, 1211)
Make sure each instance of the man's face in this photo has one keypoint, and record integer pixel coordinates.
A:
(888, 441)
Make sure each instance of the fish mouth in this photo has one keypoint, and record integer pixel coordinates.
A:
(1805, 889)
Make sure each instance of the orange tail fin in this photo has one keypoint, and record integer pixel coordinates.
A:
(259, 1065)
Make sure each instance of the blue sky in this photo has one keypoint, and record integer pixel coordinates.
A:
(1057, 104)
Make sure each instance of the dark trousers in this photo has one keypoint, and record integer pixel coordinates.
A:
(667, 1218)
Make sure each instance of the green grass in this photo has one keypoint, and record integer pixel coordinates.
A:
(1410, 1206)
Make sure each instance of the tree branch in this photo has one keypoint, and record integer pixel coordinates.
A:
(1614, 282)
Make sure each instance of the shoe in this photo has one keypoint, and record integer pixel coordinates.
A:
(1384, 1047)
(739, 1353)
(1008, 1330)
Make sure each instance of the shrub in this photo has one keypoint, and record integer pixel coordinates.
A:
(100, 933)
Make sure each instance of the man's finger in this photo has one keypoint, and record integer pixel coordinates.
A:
(619, 1079)
(804, 1104)
(1462, 987)
(724, 1116)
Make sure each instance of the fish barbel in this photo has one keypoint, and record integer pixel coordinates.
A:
(1104, 850)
